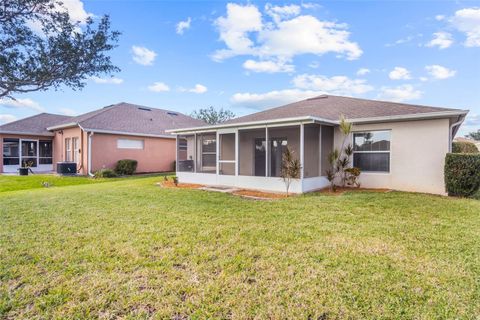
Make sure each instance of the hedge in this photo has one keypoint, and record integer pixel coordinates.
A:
(464, 147)
(126, 167)
(462, 174)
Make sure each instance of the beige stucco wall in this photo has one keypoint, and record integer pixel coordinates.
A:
(417, 155)
(157, 155)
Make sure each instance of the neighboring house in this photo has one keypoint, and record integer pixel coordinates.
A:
(397, 146)
(462, 139)
(94, 140)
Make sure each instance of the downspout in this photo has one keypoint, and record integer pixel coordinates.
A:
(452, 126)
(89, 148)
(81, 150)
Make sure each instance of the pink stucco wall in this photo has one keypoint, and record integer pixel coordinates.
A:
(157, 155)
(59, 147)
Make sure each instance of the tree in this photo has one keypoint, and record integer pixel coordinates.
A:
(474, 135)
(41, 47)
(213, 116)
(290, 168)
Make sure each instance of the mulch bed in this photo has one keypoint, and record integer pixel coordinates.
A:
(170, 184)
(340, 191)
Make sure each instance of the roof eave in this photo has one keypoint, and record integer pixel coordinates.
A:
(406, 117)
(253, 123)
(63, 126)
(123, 133)
(49, 134)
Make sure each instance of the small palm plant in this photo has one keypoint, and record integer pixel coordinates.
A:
(340, 160)
(290, 168)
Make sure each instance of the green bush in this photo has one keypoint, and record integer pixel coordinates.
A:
(105, 173)
(126, 167)
(464, 147)
(462, 174)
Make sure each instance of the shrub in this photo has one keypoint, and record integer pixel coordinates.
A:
(105, 173)
(126, 167)
(464, 147)
(462, 174)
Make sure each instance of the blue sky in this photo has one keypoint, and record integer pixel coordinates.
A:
(247, 56)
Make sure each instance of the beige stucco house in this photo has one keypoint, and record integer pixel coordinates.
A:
(94, 140)
(396, 146)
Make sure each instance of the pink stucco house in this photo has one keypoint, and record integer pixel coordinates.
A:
(94, 140)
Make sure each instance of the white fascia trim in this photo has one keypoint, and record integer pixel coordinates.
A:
(166, 136)
(28, 133)
(252, 123)
(415, 116)
(63, 126)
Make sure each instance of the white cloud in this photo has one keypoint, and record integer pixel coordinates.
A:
(441, 39)
(6, 118)
(21, 104)
(183, 25)
(143, 56)
(279, 13)
(112, 80)
(423, 79)
(284, 36)
(363, 71)
(272, 98)
(199, 88)
(76, 10)
(440, 72)
(305, 86)
(468, 21)
(268, 66)
(400, 93)
(341, 85)
(472, 120)
(399, 73)
(68, 112)
(159, 87)
(439, 17)
(234, 29)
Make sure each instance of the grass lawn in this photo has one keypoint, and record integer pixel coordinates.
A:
(14, 182)
(129, 249)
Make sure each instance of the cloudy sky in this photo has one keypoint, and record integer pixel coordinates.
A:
(247, 56)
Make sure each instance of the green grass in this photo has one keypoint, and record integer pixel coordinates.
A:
(36, 181)
(129, 249)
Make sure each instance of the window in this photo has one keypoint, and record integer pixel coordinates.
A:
(75, 149)
(45, 152)
(11, 154)
(371, 151)
(68, 150)
(129, 144)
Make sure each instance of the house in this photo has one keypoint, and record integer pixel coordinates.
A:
(396, 145)
(94, 140)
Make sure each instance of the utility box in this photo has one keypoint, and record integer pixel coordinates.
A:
(66, 168)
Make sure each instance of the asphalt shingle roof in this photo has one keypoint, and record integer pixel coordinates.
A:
(36, 124)
(332, 107)
(131, 118)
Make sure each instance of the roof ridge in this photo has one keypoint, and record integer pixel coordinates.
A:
(32, 116)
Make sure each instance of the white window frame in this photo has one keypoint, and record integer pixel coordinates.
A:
(135, 144)
(75, 148)
(389, 151)
(68, 149)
